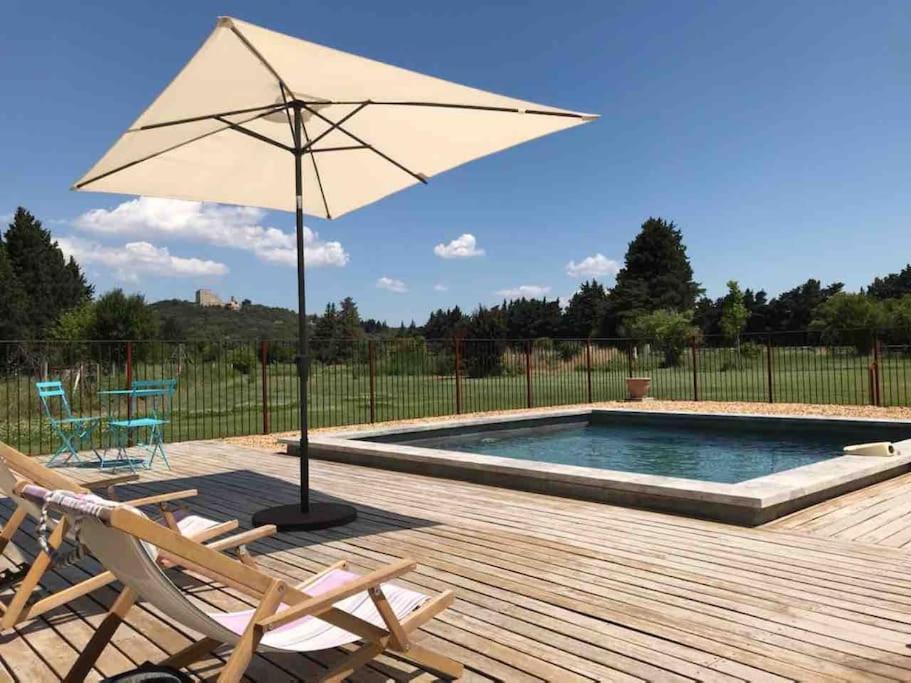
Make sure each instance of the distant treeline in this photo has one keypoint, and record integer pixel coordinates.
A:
(655, 296)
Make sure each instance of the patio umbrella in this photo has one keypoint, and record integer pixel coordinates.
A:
(258, 118)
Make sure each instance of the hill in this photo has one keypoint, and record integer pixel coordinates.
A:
(186, 320)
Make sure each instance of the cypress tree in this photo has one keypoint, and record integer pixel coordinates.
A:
(13, 302)
(583, 316)
(52, 284)
(656, 275)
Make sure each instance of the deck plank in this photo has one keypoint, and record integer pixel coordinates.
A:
(547, 588)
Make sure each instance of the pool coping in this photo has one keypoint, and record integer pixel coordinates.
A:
(751, 502)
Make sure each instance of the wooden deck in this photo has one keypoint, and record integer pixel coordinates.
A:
(879, 514)
(547, 588)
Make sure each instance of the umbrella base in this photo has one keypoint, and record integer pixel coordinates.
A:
(320, 516)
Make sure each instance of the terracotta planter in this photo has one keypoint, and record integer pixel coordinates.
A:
(638, 387)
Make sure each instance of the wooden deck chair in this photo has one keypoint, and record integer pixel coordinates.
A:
(24, 579)
(333, 609)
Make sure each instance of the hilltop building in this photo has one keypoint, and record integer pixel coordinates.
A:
(206, 297)
(209, 299)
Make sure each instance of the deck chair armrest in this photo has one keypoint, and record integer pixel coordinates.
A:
(243, 538)
(313, 606)
(107, 482)
(162, 498)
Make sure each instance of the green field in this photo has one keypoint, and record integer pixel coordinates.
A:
(223, 396)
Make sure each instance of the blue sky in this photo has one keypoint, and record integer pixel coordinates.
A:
(776, 135)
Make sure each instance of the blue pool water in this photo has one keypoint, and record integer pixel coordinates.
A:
(727, 456)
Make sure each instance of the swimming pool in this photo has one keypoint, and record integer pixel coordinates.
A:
(743, 469)
(694, 452)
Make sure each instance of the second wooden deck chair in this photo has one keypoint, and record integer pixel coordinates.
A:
(333, 609)
(24, 579)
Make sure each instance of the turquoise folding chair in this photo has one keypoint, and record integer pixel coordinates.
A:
(157, 394)
(72, 430)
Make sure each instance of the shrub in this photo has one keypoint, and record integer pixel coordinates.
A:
(242, 360)
(670, 331)
(849, 319)
(751, 351)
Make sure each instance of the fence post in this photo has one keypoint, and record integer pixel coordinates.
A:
(877, 396)
(371, 360)
(458, 375)
(528, 395)
(629, 358)
(695, 370)
(264, 359)
(129, 378)
(768, 353)
(588, 367)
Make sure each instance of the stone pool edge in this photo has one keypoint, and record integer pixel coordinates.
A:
(749, 503)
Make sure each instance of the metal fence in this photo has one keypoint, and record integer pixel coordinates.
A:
(228, 388)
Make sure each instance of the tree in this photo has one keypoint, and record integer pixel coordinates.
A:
(734, 314)
(656, 275)
(51, 283)
(349, 330)
(583, 315)
(13, 302)
(891, 286)
(707, 315)
(792, 311)
(75, 324)
(118, 316)
(532, 318)
(172, 329)
(897, 313)
(850, 319)
(670, 331)
(444, 324)
(325, 336)
(758, 305)
(483, 355)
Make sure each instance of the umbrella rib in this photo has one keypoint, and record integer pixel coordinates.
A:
(130, 164)
(418, 176)
(443, 105)
(333, 127)
(194, 119)
(478, 107)
(254, 134)
(319, 181)
(259, 56)
(336, 149)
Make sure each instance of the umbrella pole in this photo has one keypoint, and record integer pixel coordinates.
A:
(304, 515)
(303, 361)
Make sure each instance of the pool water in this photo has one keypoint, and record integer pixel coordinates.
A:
(725, 456)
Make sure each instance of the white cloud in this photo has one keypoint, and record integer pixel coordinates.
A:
(138, 258)
(593, 266)
(463, 246)
(223, 226)
(440, 287)
(392, 285)
(526, 291)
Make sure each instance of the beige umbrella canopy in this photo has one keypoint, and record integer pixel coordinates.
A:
(369, 129)
(258, 118)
